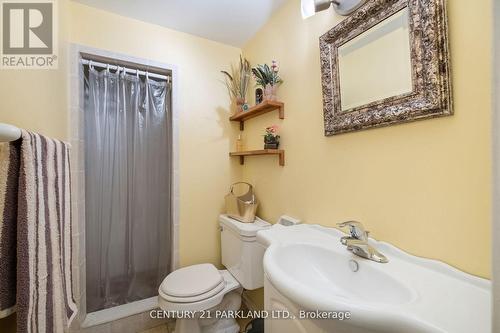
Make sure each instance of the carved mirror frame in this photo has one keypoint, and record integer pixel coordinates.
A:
(431, 95)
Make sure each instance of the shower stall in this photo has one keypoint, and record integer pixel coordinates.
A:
(127, 126)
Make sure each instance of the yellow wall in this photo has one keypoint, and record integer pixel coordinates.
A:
(205, 168)
(422, 186)
(36, 99)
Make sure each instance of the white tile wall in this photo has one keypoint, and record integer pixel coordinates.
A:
(496, 172)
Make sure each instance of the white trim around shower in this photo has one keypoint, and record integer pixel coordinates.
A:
(496, 169)
(75, 100)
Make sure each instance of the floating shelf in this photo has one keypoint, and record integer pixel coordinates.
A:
(257, 110)
(242, 154)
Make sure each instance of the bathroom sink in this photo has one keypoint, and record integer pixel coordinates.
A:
(309, 267)
(332, 275)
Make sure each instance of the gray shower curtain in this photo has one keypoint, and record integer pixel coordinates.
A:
(127, 186)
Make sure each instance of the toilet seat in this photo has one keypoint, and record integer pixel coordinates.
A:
(192, 283)
(193, 301)
(195, 298)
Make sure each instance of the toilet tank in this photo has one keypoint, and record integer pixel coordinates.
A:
(241, 254)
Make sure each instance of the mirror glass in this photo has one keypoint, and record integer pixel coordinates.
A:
(377, 63)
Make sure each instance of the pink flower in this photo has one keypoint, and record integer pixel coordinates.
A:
(275, 66)
(273, 129)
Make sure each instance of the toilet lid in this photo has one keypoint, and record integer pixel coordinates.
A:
(191, 281)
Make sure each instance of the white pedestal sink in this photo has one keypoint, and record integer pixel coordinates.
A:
(308, 269)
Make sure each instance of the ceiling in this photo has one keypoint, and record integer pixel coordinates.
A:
(231, 22)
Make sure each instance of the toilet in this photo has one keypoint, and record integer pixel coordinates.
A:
(203, 289)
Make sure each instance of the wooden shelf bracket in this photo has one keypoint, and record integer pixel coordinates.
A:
(242, 154)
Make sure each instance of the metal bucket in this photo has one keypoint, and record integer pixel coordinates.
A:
(241, 207)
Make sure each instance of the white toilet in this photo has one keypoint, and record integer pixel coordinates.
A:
(203, 288)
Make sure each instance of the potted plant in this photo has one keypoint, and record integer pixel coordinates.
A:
(237, 82)
(271, 138)
(268, 77)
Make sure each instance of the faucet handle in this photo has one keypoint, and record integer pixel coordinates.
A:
(356, 229)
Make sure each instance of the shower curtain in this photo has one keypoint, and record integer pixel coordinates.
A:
(127, 186)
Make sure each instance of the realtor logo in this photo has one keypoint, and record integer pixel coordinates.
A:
(28, 35)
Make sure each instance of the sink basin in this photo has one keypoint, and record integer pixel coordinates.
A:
(322, 270)
(312, 270)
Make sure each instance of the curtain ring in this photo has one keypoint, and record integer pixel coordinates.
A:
(107, 68)
(137, 72)
(90, 64)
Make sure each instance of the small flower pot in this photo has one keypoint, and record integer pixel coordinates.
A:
(270, 93)
(271, 145)
(241, 105)
(271, 142)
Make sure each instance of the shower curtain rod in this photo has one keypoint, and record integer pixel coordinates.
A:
(9, 132)
(126, 69)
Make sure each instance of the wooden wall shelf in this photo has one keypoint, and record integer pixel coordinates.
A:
(257, 110)
(242, 154)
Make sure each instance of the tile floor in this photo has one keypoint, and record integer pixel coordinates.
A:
(169, 327)
(160, 329)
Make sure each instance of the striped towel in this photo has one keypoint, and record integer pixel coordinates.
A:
(35, 234)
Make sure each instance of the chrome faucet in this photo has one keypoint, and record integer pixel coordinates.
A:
(357, 242)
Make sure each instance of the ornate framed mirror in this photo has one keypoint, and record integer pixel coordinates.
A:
(387, 63)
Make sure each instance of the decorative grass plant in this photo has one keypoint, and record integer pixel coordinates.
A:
(237, 80)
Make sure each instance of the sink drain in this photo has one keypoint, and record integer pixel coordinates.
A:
(353, 265)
